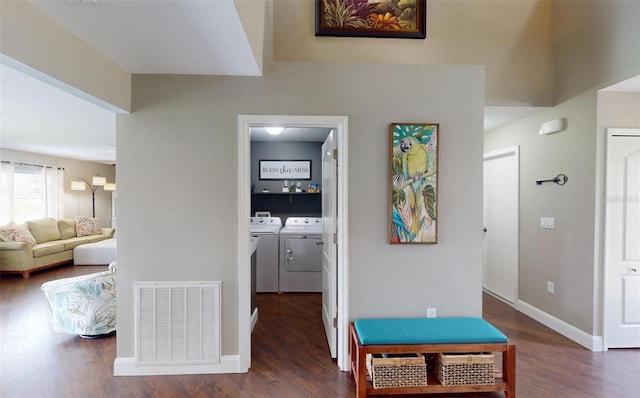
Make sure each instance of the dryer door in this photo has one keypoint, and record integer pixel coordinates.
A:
(302, 255)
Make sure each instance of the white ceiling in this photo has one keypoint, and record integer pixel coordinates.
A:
(198, 37)
(37, 117)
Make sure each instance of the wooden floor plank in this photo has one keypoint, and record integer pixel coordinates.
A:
(290, 355)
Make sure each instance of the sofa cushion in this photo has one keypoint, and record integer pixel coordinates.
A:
(109, 232)
(457, 330)
(97, 238)
(44, 230)
(86, 226)
(70, 244)
(13, 232)
(67, 227)
(43, 249)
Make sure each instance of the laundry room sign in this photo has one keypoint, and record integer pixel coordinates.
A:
(285, 169)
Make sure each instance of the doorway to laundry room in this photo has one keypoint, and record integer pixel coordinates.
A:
(296, 211)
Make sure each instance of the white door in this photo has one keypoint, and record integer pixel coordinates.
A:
(329, 216)
(622, 239)
(500, 254)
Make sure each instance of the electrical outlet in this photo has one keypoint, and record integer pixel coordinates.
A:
(551, 287)
(431, 312)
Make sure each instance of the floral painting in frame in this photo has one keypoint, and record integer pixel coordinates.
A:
(371, 18)
(413, 213)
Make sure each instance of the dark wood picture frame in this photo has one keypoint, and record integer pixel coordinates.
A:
(403, 19)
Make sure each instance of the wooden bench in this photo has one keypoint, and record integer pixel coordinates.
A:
(429, 335)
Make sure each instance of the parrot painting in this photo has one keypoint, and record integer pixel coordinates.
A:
(414, 183)
(399, 233)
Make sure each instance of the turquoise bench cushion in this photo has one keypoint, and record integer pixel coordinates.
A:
(387, 331)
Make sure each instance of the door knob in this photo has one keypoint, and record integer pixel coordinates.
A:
(319, 242)
(484, 230)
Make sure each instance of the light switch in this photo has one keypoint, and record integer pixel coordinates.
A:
(547, 222)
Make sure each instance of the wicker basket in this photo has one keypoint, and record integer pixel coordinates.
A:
(405, 371)
(464, 369)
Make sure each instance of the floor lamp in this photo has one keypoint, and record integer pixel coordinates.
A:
(96, 183)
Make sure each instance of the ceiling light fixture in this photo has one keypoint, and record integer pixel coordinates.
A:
(274, 130)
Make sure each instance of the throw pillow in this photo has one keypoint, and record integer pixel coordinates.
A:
(44, 230)
(13, 232)
(87, 226)
(67, 227)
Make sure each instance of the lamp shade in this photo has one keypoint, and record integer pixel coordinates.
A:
(78, 186)
(110, 186)
(99, 180)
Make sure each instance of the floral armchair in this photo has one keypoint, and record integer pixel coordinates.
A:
(84, 305)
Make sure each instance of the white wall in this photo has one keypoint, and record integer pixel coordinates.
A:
(512, 39)
(563, 255)
(182, 137)
(179, 145)
(257, 21)
(570, 254)
(76, 203)
(31, 38)
(596, 44)
(618, 109)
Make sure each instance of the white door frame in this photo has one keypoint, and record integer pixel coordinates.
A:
(501, 153)
(245, 122)
(329, 262)
(601, 231)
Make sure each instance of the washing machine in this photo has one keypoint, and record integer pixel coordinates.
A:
(301, 255)
(268, 230)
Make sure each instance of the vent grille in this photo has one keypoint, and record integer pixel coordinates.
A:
(178, 322)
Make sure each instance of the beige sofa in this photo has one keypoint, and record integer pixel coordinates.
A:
(45, 243)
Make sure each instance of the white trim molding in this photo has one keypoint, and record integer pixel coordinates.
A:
(130, 367)
(245, 122)
(254, 319)
(593, 343)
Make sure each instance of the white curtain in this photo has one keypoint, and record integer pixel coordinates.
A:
(53, 179)
(47, 184)
(6, 192)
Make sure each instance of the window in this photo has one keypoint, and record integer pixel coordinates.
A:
(28, 195)
(30, 192)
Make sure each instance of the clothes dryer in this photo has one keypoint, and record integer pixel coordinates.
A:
(301, 255)
(267, 229)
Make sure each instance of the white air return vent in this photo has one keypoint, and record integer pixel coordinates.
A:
(177, 322)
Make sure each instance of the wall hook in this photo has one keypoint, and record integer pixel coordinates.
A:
(560, 179)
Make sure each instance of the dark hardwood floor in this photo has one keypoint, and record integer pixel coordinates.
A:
(290, 356)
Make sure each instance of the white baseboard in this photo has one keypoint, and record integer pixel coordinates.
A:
(495, 296)
(129, 367)
(593, 343)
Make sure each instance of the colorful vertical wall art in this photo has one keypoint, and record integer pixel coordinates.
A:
(413, 216)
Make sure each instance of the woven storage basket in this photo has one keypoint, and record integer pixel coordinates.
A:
(405, 371)
(464, 369)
